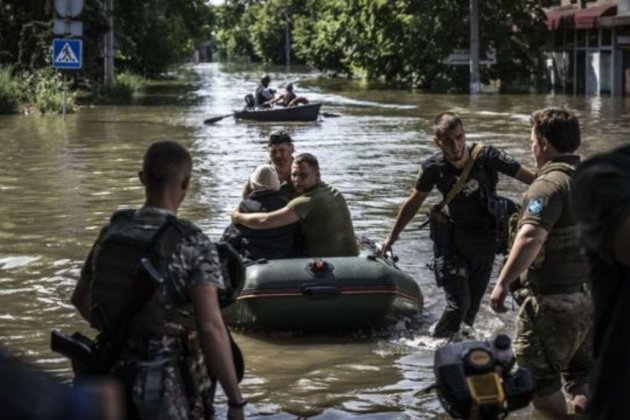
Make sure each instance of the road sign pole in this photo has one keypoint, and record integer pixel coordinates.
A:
(67, 52)
(63, 106)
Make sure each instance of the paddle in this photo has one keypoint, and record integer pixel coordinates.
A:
(330, 115)
(215, 119)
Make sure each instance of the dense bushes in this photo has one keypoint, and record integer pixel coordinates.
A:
(44, 91)
(126, 86)
(9, 91)
(39, 91)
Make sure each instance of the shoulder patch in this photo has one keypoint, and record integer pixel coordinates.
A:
(535, 206)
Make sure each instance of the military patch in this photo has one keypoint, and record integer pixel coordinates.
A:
(470, 187)
(535, 206)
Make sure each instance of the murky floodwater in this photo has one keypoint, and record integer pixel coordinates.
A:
(60, 180)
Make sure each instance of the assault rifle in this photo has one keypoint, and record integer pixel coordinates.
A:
(76, 347)
(97, 356)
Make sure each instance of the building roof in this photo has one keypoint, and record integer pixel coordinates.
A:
(579, 18)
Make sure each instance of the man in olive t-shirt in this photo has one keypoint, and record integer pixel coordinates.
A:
(321, 210)
(553, 326)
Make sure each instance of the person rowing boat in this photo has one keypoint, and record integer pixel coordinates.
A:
(263, 93)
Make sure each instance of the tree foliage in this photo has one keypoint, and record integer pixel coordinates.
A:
(400, 42)
(232, 32)
(269, 20)
(151, 35)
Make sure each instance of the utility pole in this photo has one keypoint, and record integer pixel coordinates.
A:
(108, 46)
(475, 84)
(287, 42)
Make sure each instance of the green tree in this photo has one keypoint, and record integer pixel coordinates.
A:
(233, 30)
(26, 34)
(14, 16)
(273, 20)
(400, 42)
(155, 34)
(320, 36)
(516, 33)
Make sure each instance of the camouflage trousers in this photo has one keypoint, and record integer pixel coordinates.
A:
(172, 387)
(159, 392)
(553, 340)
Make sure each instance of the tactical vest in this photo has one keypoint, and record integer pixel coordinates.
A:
(487, 179)
(560, 266)
(131, 275)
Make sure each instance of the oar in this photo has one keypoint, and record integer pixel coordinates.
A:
(330, 115)
(215, 119)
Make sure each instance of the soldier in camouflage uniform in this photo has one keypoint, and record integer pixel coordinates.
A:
(553, 328)
(174, 337)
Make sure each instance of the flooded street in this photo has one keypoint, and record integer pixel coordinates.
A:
(60, 181)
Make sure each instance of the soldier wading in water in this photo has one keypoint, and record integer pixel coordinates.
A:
(554, 325)
(150, 287)
(463, 228)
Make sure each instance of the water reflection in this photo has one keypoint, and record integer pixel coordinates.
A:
(62, 179)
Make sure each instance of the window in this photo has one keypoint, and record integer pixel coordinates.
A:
(558, 39)
(593, 39)
(569, 37)
(606, 37)
(581, 39)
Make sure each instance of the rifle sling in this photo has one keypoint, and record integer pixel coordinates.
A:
(474, 152)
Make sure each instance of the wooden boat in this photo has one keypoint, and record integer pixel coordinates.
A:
(311, 294)
(308, 112)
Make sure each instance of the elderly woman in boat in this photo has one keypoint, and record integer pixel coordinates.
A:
(264, 196)
(321, 210)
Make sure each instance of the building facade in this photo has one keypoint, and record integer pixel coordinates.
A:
(589, 47)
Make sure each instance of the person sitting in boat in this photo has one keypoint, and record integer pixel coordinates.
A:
(288, 98)
(281, 242)
(321, 211)
(280, 146)
(250, 102)
(263, 92)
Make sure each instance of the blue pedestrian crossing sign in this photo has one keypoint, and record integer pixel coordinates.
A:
(67, 53)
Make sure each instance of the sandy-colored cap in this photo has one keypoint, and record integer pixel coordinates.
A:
(265, 177)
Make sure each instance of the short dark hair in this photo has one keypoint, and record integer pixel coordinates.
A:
(164, 162)
(445, 122)
(559, 126)
(307, 158)
(279, 137)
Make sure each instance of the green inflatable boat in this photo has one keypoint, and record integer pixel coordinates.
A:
(324, 294)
